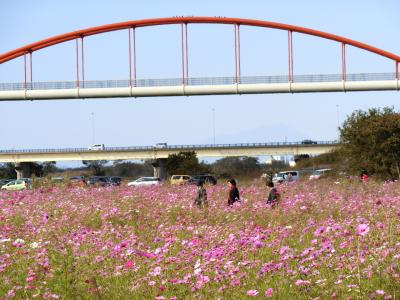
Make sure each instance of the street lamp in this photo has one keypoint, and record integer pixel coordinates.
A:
(213, 115)
(92, 114)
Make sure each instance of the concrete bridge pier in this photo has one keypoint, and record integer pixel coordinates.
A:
(159, 168)
(23, 170)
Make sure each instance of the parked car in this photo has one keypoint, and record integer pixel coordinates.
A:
(180, 179)
(77, 180)
(318, 173)
(57, 179)
(205, 178)
(143, 181)
(99, 181)
(286, 176)
(5, 181)
(115, 180)
(96, 147)
(18, 185)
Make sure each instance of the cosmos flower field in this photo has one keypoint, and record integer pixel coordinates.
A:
(325, 240)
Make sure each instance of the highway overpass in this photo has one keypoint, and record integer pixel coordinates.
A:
(22, 157)
(151, 152)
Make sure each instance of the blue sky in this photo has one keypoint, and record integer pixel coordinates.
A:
(189, 120)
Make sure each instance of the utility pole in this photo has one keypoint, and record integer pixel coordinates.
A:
(92, 128)
(213, 115)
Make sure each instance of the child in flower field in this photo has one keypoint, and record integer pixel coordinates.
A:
(273, 196)
(201, 196)
(233, 195)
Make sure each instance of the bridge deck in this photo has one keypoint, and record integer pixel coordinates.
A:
(198, 86)
(150, 152)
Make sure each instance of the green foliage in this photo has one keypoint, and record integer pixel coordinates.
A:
(95, 166)
(330, 159)
(129, 169)
(184, 163)
(7, 171)
(371, 141)
(241, 166)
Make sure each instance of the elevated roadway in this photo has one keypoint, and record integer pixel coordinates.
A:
(198, 86)
(154, 153)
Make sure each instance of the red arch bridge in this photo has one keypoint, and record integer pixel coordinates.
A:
(186, 85)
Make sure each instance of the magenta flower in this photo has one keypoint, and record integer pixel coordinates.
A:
(269, 292)
(300, 282)
(362, 229)
(252, 293)
(129, 264)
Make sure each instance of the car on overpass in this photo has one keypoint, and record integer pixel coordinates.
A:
(145, 181)
(96, 147)
(309, 142)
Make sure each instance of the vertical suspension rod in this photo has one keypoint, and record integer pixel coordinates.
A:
(344, 72)
(24, 71)
(236, 61)
(290, 55)
(77, 62)
(129, 57)
(187, 55)
(238, 39)
(83, 63)
(134, 55)
(30, 55)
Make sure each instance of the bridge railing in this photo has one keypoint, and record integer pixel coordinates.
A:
(171, 147)
(195, 81)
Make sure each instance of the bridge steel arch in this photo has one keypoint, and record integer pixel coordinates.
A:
(184, 21)
(187, 20)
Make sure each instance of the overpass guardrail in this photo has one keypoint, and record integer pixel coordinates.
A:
(172, 147)
(195, 81)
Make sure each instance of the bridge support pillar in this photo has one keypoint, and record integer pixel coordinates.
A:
(159, 168)
(23, 170)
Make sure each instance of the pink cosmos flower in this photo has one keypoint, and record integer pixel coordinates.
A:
(269, 292)
(380, 292)
(252, 293)
(129, 264)
(362, 229)
(300, 282)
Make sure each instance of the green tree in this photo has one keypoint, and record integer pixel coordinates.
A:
(184, 163)
(238, 166)
(95, 166)
(7, 170)
(370, 140)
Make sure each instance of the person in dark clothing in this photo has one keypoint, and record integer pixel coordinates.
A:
(364, 175)
(233, 192)
(201, 196)
(273, 196)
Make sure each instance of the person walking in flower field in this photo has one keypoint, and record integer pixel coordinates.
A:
(274, 196)
(201, 196)
(233, 195)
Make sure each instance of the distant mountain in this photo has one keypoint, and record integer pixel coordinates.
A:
(264, 134)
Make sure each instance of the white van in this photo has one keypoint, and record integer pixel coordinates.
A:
(318, 173)
(161, 145)
(96, 147)
(286, 176)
